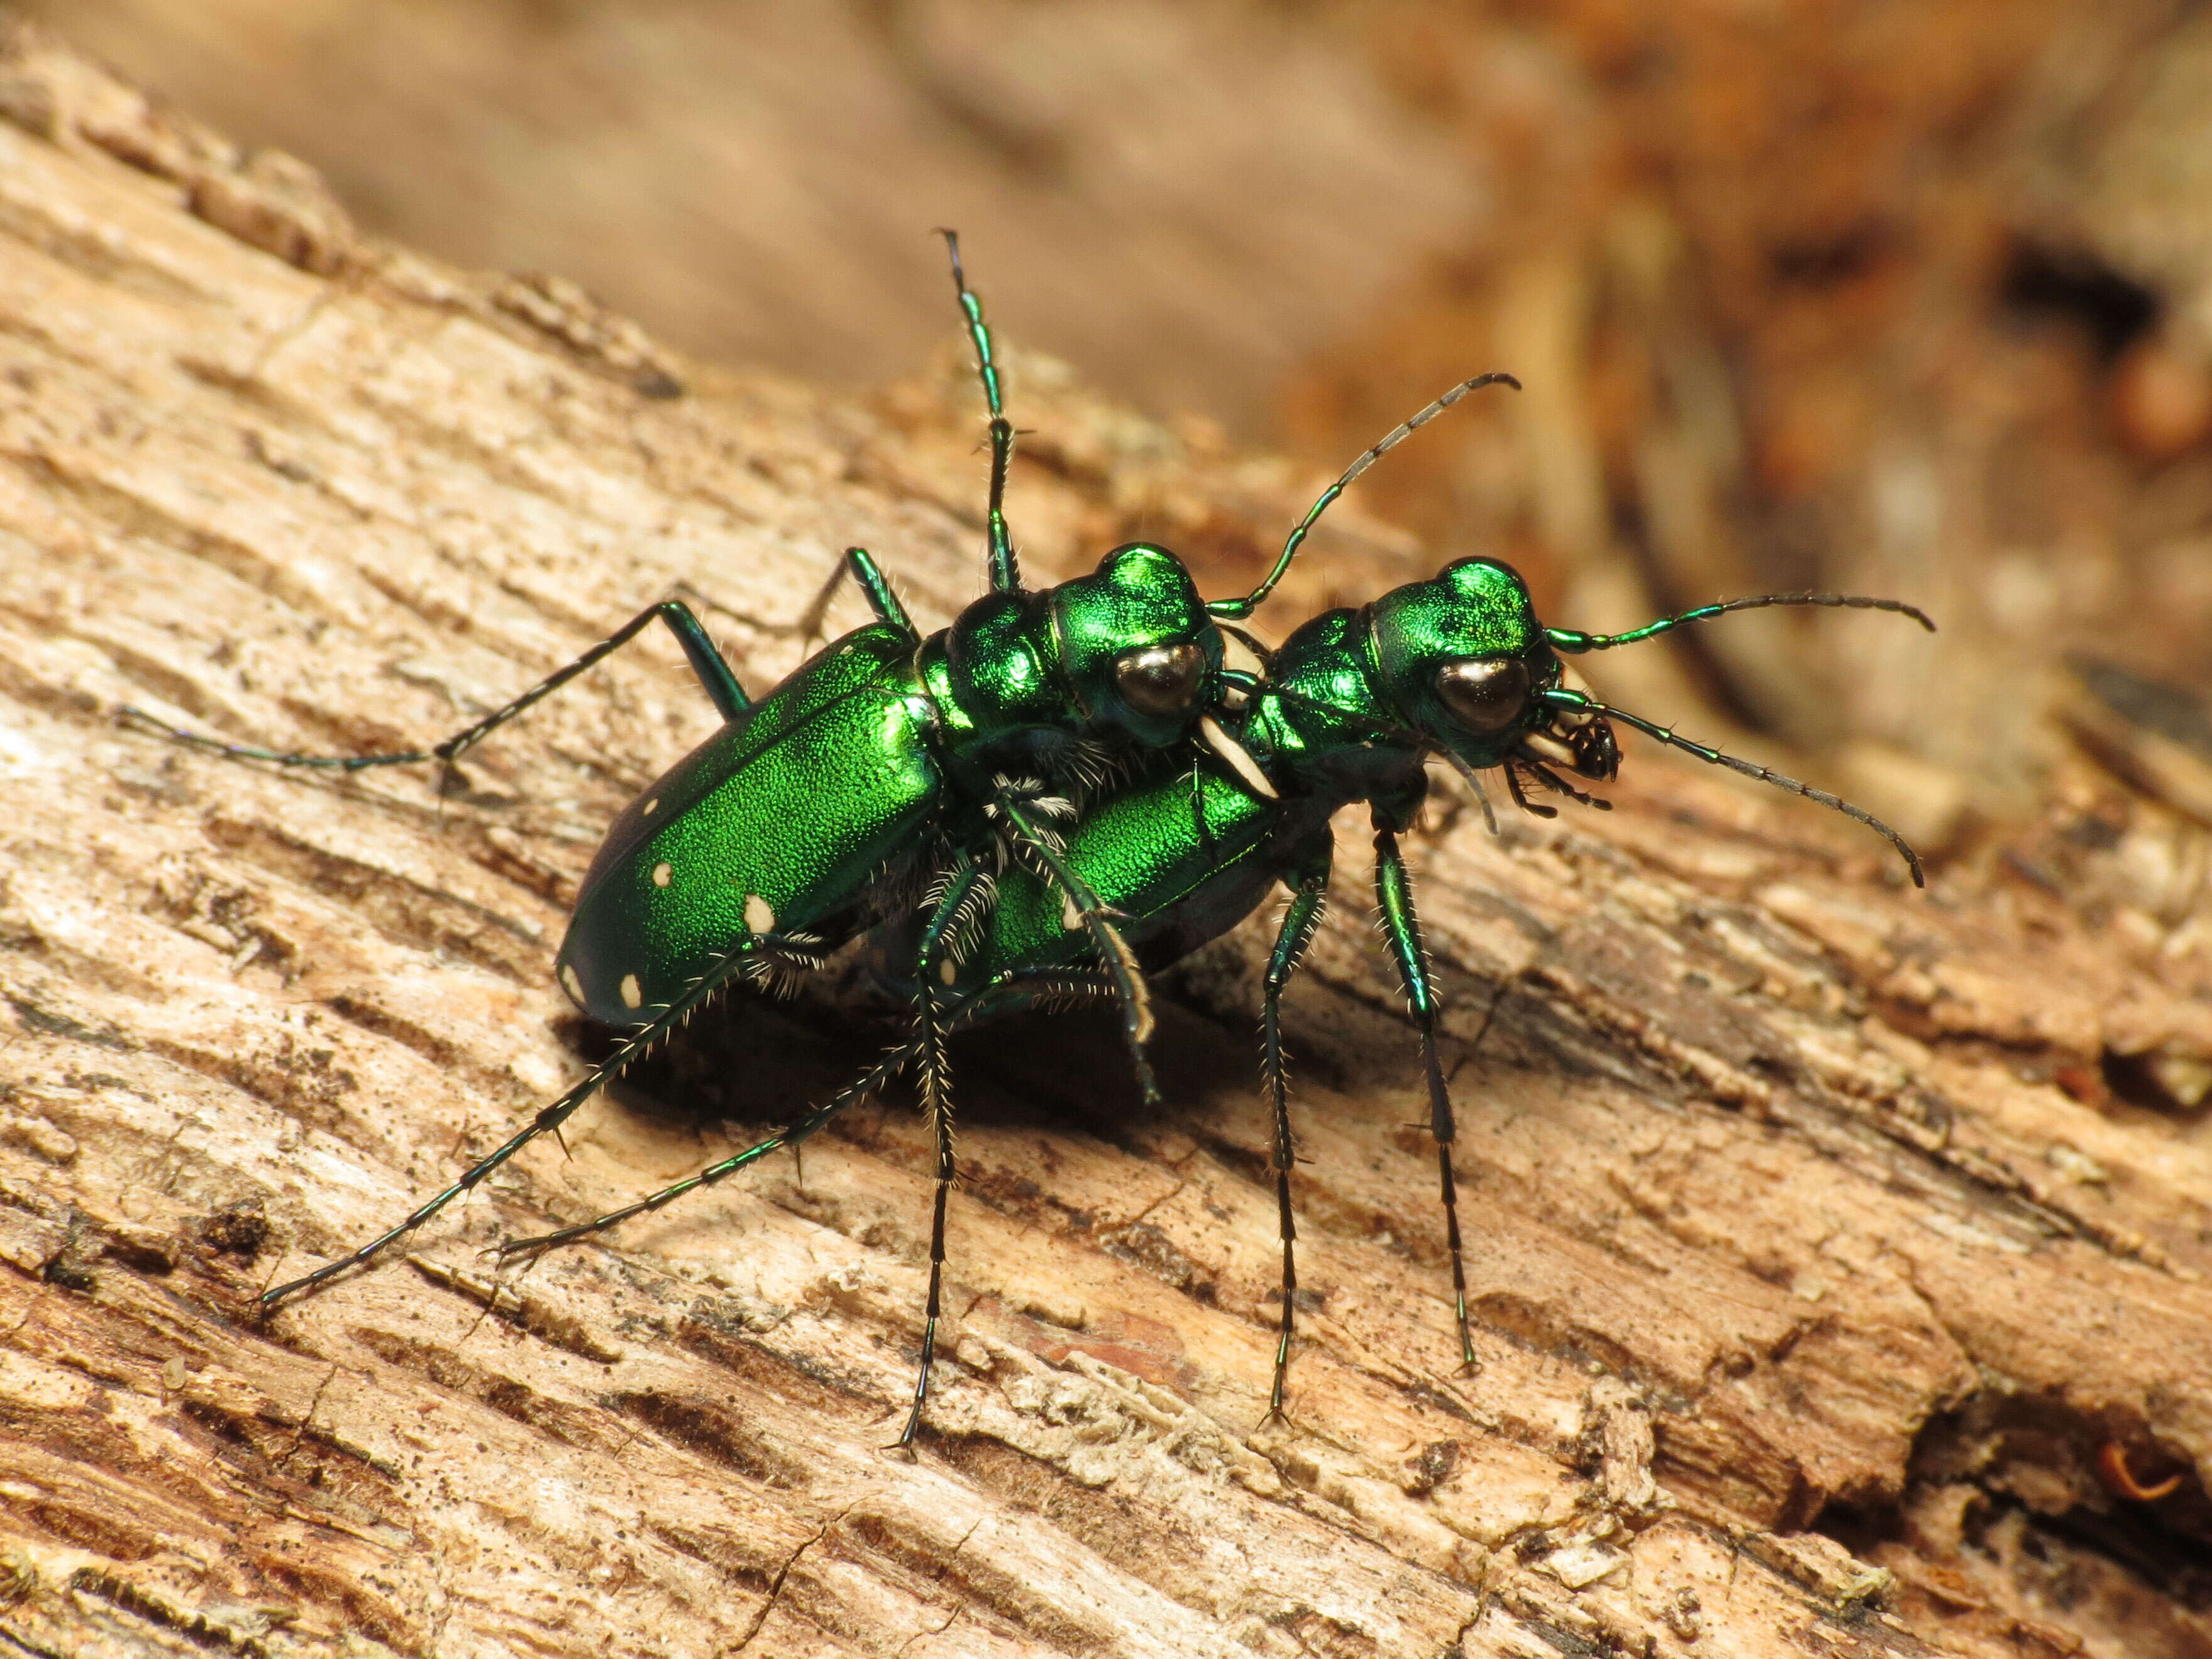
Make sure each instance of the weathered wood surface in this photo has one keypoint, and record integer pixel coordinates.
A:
(1805, 1222)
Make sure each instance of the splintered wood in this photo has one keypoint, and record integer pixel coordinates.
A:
(1829, 1298)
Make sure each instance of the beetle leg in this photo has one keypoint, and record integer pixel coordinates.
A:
(868, 1083)
(1041, 849)
(1394, 892)
(1205, 835)
(946, 1169)
(1008, 991)
(708, 665)
(1558, 785)
(860, 565)
(932, 1307)
(966, 891)
(549, 1118)
(1512, 770)
(1300, 919)
(714, 677)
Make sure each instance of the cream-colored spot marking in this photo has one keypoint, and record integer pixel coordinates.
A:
(632, 997)
(760, 916)
(1069, 917)
(946, 971)
(649, 808)
(662, 874)
(570, 981)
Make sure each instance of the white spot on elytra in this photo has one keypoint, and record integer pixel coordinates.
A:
(1069, 917)
(760, 916)
(662, 874)
(946, 971)
(650, 807)
(568, 981)
(632, 997)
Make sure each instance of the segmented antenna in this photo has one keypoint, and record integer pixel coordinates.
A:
(1574, 642)
(1006, 575)
(1562, 698)
(1237, 609)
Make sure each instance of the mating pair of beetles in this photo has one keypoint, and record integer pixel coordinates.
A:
(1063, 790)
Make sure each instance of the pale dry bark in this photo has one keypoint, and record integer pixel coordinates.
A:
(1803, 1218)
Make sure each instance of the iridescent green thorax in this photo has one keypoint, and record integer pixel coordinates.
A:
(1325, 663)
(1316, 719)
(1020, 674)
(992, 674)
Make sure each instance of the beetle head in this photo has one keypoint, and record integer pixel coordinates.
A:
(1466, 664)
(1137, 645)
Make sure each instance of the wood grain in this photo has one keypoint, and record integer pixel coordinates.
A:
(1829, 1296)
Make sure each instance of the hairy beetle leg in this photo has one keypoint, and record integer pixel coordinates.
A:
(714, 675)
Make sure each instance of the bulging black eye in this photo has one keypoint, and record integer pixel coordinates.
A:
(1488, 696)
(1160, 679)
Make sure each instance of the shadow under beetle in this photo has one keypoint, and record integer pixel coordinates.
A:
(888, 763)
(1354, 703)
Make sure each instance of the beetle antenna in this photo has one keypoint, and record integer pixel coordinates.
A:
(1006, 575)
(1574, 642)
(1578, 702)
(1237, 609)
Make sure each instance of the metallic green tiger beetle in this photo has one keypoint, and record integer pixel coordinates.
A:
(1354, 702)
(886, 760)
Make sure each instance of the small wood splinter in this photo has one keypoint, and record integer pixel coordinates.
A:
(2113, 1462)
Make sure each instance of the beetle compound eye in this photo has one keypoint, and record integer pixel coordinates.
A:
(1485, 697)
(1159, 679)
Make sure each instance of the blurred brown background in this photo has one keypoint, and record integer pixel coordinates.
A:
(1909, 297)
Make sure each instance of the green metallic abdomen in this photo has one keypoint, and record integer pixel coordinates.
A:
(775, 825)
